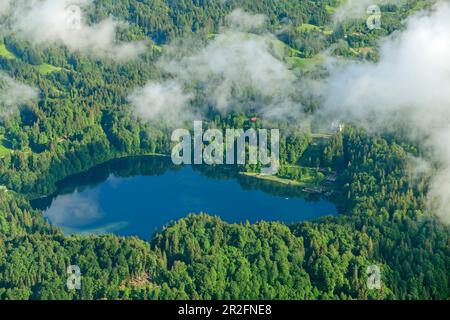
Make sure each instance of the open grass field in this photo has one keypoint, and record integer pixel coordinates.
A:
(3, 150)
(311, 27)
(45, 69)
(5, 53)
(305, 63)
(291, 176)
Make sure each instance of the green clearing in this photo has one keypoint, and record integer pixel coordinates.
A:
(310, 27)
(304, 176)
(5, 53)
(3, 150)
(275, 179)
(305, 63)
(157, 48)
(46, 69)
(330, 9)
(294, 176)
(43, 69)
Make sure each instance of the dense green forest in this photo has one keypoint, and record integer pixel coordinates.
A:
(203, 257)
(82, 118)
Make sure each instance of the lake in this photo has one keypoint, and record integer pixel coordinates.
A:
(137, 196)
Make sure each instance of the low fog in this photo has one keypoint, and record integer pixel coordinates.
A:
(14, 94)
(4, 6)
(407, 89)
(59, 22)
(242, 60)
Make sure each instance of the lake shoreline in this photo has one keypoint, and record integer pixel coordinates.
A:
(144, 194)
(286, 182)
(34, 196)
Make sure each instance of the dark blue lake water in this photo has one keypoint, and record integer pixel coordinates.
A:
(137, 196)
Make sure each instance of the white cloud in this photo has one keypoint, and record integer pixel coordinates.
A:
(225, 73)
(14, 94)
(244, 21)
(161, 101)
(57, 22)
(74, 210)
(4, 6)
(407, 90)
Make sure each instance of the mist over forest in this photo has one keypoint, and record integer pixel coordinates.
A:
(363, 113)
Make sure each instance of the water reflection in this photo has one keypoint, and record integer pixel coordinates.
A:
(136, 196)
(75, 210)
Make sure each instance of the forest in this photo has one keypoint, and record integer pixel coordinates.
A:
(82, 118)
